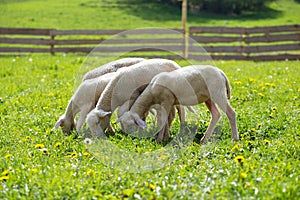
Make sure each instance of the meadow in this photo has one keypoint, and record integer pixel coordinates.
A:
(39, 163)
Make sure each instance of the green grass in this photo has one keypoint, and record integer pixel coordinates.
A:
(35, 90)
(112, 14)
(38, 163)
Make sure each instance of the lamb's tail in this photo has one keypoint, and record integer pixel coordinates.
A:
(227, 85)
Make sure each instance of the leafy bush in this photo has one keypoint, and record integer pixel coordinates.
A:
(221, 6)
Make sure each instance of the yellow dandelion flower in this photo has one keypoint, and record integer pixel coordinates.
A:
(86, 154)
(236, 147)
(73, 155)
(4, 178)
(270, 84)
(58, 144)
(51, 94)
(239, 159)
(259, 125)
(295, 97)
(237, 82)
(252, 167)
(274, 108)
(39, 146)
(252, 80)
(150, 185)
(90, 172)
(34, 170)
(8, 156)
(261, 94)
(267, 141)
(272, 115)
(254, 91)
(299, 90)
(253, 130)
(243, 175)
(5, 173)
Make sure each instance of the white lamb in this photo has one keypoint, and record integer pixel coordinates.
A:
(88, 93)
(124, 90)
(111, 67)
(84, 100)
(186, 86)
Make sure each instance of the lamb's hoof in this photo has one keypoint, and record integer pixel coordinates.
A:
(235, 140)
(203, 141)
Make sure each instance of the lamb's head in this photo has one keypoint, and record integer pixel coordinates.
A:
(98, 121)
(131, 121)
(66, 125)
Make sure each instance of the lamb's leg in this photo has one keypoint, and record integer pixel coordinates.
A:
(84, 112)
(164, 120)
(232, 120)
(215, 116)
(168, 125)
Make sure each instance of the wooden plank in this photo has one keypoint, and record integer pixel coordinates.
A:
(243, 57)
(243, 30)
(245, 49)
(113, 32)
(24, 31)
(273, 38)
(216, 49)
(114, 41)
(271, 48)
(214, 39)
(23, 49)
(35, 41)
(120, 49)
(276, 57)
(84, 32)
(144, 41)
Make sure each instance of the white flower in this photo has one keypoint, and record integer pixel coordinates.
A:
(88, 141)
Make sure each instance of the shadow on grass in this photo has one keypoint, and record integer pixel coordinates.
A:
(162, 12)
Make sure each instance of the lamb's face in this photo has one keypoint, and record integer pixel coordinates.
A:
(67, 127)
(127, 122)
(97, 122)
(131, 122)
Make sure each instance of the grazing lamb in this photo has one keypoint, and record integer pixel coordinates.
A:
(186, 86)
(124, 89)
(111, 67)
(84, 100)
(88, 93)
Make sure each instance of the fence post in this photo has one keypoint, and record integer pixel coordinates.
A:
(183, 19)
(52, 42)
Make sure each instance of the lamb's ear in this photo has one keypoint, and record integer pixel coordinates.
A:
(140, 122)
(102, 113)
(59, 122)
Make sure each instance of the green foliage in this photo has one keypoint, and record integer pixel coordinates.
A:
(227, 6)
(37, 163)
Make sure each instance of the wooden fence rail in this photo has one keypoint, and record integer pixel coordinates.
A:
(239, 43)
(257, 43)
(138, 42)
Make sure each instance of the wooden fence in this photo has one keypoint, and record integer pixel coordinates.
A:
(226, 43)
(257, 43)
(139, 42)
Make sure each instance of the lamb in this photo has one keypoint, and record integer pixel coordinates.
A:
(187, 86)
(88, 93)
(123, 90)
(111, 67)
(84, 100)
